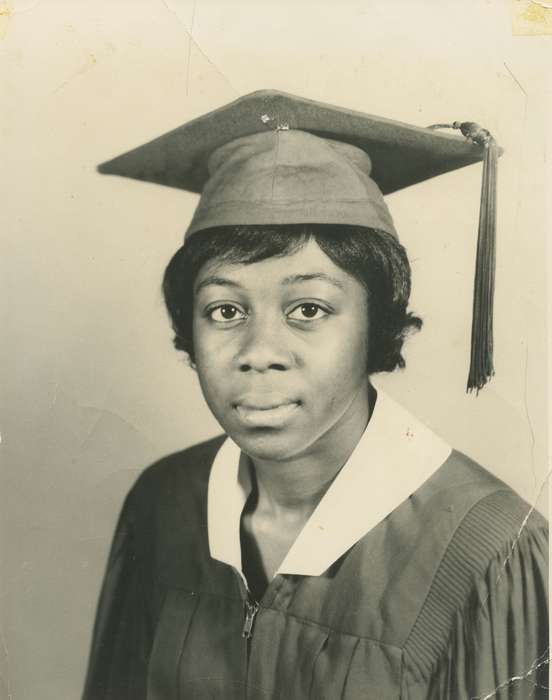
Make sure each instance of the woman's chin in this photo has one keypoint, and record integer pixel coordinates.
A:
(268, 444)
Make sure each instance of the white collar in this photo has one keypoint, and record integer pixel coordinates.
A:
(394, 457)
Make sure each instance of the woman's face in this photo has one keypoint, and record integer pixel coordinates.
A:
(281, 351)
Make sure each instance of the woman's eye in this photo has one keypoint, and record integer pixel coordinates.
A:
(225, 313)
(307, 312)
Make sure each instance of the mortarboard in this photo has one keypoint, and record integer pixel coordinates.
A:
(274, 158)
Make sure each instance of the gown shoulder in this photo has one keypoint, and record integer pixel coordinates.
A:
(181, 472)
(482, 630)
(161, 512)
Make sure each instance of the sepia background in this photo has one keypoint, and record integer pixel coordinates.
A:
(91, 389)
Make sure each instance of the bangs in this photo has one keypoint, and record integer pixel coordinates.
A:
(244, 244)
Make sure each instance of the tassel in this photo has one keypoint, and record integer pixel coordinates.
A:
(481, 361)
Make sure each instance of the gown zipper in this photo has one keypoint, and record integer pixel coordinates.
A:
(251, 610)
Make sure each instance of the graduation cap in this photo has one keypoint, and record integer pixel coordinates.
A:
(274, 158)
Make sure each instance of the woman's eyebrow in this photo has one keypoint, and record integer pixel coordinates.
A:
(216, 281)
(292, 279)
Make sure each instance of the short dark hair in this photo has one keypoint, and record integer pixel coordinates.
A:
(375, 258)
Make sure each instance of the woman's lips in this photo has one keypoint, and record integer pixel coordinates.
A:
(265, 411)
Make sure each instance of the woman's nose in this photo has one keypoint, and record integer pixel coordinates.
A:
(264, 347)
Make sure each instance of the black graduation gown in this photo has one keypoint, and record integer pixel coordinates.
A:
(445, 598)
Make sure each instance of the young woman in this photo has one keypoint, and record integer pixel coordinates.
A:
(328, 545)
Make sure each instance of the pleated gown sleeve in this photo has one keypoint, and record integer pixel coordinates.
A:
(498, 647)
(121, 640)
